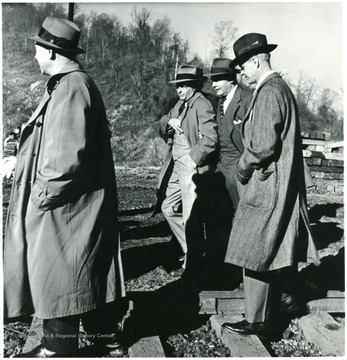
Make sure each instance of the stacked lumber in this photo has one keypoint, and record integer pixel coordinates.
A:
(325, 159)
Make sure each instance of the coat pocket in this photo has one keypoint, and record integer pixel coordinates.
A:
(260, 192)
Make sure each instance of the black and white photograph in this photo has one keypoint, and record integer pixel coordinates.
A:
(172, 179)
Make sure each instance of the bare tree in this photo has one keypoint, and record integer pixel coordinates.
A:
(223, 37)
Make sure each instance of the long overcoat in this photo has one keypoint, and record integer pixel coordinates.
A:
(265, 233)
(61, 253)
(200, 128)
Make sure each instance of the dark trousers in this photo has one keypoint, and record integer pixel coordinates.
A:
(61, 334)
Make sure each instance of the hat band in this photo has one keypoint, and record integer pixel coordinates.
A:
(249, 47)
(185, 77)
(220, 69)
(56, 40)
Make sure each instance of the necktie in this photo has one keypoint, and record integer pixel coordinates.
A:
(181, 108)
(221, 106)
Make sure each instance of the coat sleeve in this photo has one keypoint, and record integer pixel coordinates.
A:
(164, 129)
(208, 138)
(66, 132)
(263, 141)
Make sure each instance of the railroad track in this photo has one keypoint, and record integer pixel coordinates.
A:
(319, 327)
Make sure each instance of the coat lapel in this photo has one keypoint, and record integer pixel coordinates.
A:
(254, 97)
(232, 109)
(41, 106)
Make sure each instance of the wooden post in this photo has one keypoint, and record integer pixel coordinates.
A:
(71, 11)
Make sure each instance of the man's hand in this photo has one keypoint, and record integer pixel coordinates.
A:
(176, 125)
(7, 166)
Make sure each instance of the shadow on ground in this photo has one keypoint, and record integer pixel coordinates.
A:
(316, 281)
(174, 307)
(170, 310)
(316, 212)
(137, 231)
(140, 260)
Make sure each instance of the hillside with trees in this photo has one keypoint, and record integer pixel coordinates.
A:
(132, 65)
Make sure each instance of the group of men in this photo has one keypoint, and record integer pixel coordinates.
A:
(261, 197)
(61, 255)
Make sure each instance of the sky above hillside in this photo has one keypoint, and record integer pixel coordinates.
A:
(309, 34)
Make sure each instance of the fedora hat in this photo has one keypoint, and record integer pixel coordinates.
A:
(60, 34)
(222, 69)
(188, 73)
(250, 44)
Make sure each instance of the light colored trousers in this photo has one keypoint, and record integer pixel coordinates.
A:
(181, 190)
(262, 295)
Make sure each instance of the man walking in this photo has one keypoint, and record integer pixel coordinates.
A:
(61, 256)
(190, 130)
(271, 228)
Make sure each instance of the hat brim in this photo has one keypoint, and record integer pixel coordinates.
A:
(242, 58)
(204, 78)
(53, 46)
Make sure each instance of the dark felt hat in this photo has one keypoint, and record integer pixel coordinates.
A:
(60, 34)
(249, 45)
(222, 69)
(188, 73)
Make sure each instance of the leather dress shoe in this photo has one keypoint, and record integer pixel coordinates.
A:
(41, 352)
(263, 330)
(115, 349)
(177, 273)
(290, 304)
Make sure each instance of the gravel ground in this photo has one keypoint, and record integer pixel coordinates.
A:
(143, 241)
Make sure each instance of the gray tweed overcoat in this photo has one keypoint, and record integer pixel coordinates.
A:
(265, 234)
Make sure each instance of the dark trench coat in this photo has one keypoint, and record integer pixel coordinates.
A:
(61, 251)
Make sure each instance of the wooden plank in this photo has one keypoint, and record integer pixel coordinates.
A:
(147, 347)
(34, 336)
(335, 294)
(334, 144)
(328, 176)
(240, 294)
(327, 169)
(219, 302)
(223, 294)
(314, 142)
(317, 135)
(332, 305)
(327, 135)
(325, 144)
(315, 161)
(337, 163)
(322, 155)
(208, 306)
(216, 302)
(326, 333)
(236, 306)
(239, 345)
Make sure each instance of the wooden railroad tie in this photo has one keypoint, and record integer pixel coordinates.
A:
(219, 302)
(318, 327)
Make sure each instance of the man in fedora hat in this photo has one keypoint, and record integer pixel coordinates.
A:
(271, 229)
(191, 132)
(61, 256)
(231, 109)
